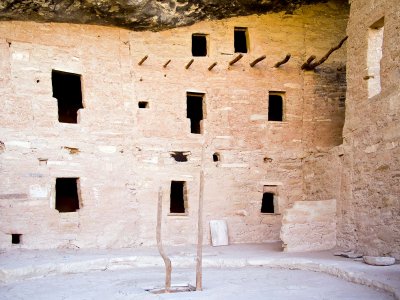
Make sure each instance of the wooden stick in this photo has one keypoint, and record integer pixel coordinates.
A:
(199, 258)
(307, 63)
(311, 66)
(283, 61)
(166, 64)
(189, 64)
(212, 66)
(143, 60)
(237, 58)
(167, 261)
(256, 61)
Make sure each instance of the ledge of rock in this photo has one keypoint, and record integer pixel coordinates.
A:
(140, 14)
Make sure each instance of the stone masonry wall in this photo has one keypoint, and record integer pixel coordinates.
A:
(363, 174)
(121, 153)
(372, 133)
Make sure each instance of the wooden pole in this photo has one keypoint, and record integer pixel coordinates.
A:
(311, 66)
(189, 64)
(167, 261)
(166, 64)
(283, 61)
(143, 60)
(199, 258)
(256, 61)
(236, 59)
(212, 66)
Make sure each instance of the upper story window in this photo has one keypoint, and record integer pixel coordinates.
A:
(199, 44)
(241, 39)
(374, 56)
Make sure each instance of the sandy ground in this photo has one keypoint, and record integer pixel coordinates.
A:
(229, 283)
(246, 271)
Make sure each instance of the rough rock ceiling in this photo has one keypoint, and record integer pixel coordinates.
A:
(140, 14)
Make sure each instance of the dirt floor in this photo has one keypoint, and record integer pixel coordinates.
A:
(230, 283)
(246, 271)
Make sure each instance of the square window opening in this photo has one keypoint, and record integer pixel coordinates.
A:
(16, 238)
(199, 44)
(241, 40)
(143, 104)
(67, 90)
(178, 197)
(195, 107)
(374, 56)
(67, 198)
(275, 106)
(267, 205)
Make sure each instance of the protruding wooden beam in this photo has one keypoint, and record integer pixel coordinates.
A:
(283, 61)
(189, 64)
(311, 66)
(143, 60)
(166, 64)
(256, 61)
(236, 59)
(212, 66)
(308, 61)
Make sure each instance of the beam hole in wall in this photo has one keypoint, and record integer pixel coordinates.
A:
(195, 105)
(275, 106)
(199, 44)
(67, 199)
(143, 104)
(178, 197)
(241, 39)
(267, 206)
(68, 92)
(216, 157)
(180, 156)
(374, 56)
(16, 238)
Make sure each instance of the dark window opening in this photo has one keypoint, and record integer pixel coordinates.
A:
(199, 45)
(67, 90)
(180, 156)
(216, 157)
(267, 205)
(177, 197)
(143, 104)
(194, 102)
(275, 107)
(16, 238)
(67, 199)
(240, 39)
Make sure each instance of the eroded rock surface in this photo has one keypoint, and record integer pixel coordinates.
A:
(140, 14)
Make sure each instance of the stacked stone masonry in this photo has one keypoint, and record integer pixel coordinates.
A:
(363, 174)
(122, 153)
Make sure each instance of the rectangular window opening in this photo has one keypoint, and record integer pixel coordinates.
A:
(267, 206)
(374, 56)
(241, 39)
(199, 44)
(275, 106)
(16, 238)
(195, 105)
(143, 104)
(178, 197)
(67, 199)
(68, 92)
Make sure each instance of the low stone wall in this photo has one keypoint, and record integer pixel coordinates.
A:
(309, 226)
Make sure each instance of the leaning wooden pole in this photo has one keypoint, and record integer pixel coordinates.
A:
(167, 261)
(199, 258)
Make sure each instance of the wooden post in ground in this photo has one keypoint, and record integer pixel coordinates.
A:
(167, 261)
(199, 258)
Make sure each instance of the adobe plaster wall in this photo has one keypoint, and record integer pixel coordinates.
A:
(123, 154)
